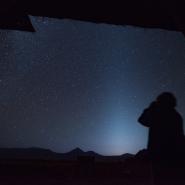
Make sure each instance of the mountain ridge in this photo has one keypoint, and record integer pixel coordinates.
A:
(47, 154)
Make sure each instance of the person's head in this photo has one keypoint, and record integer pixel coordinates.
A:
(167, 99)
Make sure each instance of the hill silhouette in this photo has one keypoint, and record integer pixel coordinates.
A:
(46, 154)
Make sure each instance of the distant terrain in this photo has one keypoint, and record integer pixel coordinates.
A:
(37, 166)
(30, 166)
(46, 154)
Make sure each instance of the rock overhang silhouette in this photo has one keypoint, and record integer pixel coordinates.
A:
(166, 14)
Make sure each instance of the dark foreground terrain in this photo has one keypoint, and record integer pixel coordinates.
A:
(45, 172)
(49, 172)
(44, 167)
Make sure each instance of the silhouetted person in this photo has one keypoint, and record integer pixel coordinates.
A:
(166, 138)
(165, 127)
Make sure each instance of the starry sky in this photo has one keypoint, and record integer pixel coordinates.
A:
(78, 84)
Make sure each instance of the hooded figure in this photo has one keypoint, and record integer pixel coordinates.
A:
(165, 124)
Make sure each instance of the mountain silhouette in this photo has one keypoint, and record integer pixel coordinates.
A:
(46, 154)
(75, 152)
(27, 153)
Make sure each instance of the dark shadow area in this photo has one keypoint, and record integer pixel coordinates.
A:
(148, 14)
(166, 141)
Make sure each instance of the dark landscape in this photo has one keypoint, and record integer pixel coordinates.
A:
(40, 166)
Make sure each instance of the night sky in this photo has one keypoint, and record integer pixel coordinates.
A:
(78, 84)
